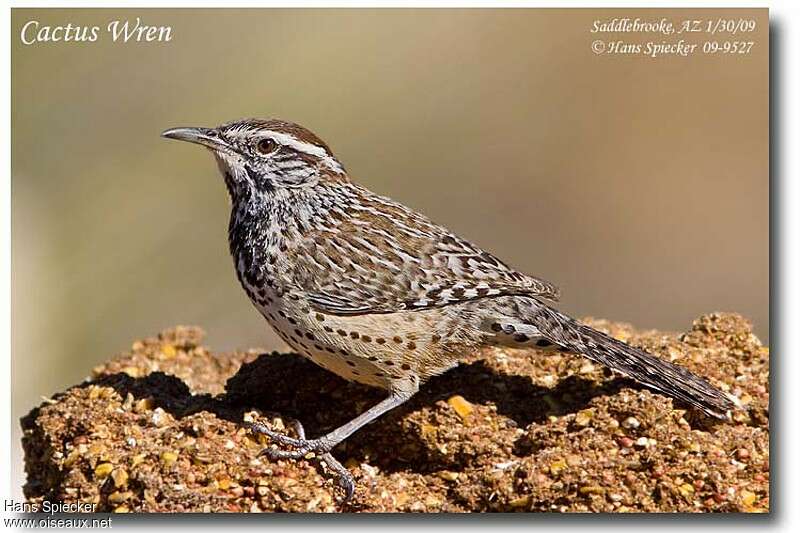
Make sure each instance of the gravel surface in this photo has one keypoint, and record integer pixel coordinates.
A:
(157, 429)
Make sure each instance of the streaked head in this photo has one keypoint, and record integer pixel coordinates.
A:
(261, 156)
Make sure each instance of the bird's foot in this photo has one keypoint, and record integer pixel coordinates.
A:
(302, 447)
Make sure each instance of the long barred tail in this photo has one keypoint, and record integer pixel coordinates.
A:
(663, 376)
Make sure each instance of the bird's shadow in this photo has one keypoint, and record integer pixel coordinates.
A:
(296, 388)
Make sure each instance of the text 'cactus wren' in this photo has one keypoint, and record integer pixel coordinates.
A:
(377, 293)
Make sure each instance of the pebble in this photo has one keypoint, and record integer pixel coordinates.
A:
(742, 454)
(103, 470)
(522, 501)
(143, 405)
(556, 467)
(168, 458)
(631, 423)
(159, 417)
(128, 403)
(132, 371)
(71, 458)
(461, 406)
(447, 475)
(583, 417)
(168, 351)
(748, 498)
(592, 489)
(119, 497)
(120, 477)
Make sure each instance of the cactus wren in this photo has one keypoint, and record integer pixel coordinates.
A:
(376, 292)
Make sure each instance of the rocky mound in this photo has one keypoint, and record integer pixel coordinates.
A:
(158, 429)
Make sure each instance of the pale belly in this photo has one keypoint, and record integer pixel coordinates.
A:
(386, 351)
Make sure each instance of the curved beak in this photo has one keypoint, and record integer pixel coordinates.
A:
(204, 136)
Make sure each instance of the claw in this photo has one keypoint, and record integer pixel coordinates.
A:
(302, 447)
(274, 453)
(274, 435)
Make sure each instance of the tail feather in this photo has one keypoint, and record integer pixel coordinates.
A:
(663, 376)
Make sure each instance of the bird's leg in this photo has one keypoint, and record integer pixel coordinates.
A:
(323, 445)
(345, 477)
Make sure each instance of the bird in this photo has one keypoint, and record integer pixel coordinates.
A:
(379, 294)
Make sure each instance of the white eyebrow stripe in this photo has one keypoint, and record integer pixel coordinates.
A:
(307, 148)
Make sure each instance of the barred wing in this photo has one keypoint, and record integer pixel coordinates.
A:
(381, 257)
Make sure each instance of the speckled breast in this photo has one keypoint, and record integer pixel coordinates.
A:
(384, 350)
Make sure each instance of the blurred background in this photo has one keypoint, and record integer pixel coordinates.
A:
(638, 185)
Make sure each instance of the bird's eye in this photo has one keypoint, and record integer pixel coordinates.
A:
(266, 146)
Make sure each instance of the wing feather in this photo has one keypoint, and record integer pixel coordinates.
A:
(384, 258)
